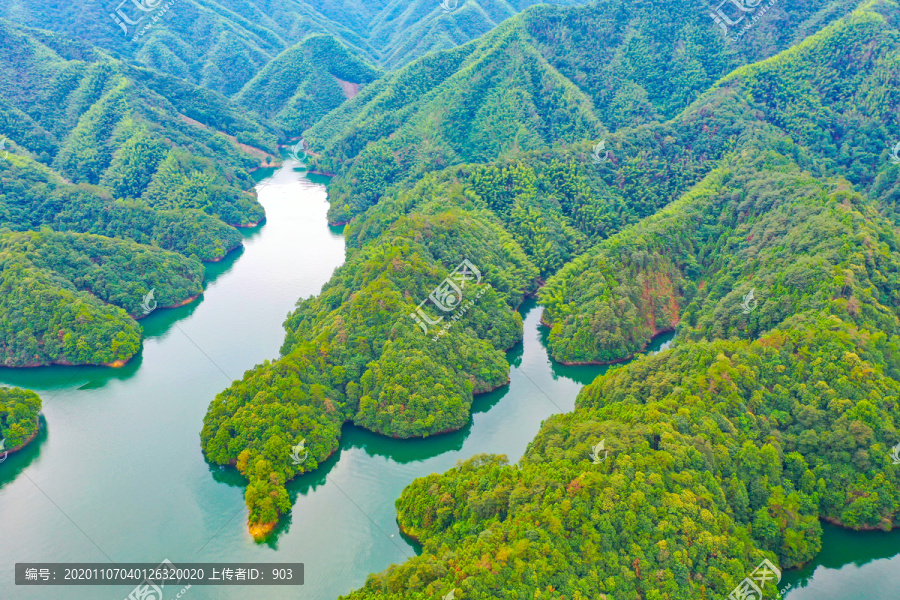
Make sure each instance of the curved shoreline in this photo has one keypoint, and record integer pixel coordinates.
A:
(259, 531)
(37, 430)
(245, 226)
(225, 255)
(184, 302)
(838, 523)
(115, 364)
(604, 363)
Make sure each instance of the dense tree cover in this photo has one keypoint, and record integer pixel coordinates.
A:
(19, 411)
(100, 124)
(223, 50)
(405, 31)
(729, 235)
(70, 298)
(95, 146)
(543, 79)
(33, 196)
(720, 454)
(208, 108)
(558, 203)
(721, 451)
(445, 109)
(647, 61)
(186, 181)
(303, 83)
(349, 351)
(536, 214)
(756, 224)
(343, 358)
(835, 94)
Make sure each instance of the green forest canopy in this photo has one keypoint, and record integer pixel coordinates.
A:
(760, 199)
(115, 182)
(19, 411)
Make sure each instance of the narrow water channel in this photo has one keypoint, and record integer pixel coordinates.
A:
(117, 473)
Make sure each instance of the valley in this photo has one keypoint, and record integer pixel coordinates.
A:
(594, 302)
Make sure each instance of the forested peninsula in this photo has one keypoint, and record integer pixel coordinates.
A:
(19, 419)
(623, 162)
(765, 235)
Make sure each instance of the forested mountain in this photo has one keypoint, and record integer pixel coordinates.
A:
(303, 83)
(95, 146)
(547, 78)
(98, 121)
(403, 31)
(722, 452)
(223, 46)
(32, 196)
(473, 103)
(607, 304)
(354, 353)
(623, 160)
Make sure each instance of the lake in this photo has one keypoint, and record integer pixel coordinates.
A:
(117, 473)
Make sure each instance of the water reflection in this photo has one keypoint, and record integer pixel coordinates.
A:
(852, 565)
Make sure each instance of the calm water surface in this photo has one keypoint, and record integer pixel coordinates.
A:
(117, 473)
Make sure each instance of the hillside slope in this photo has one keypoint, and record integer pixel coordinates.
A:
(718, 453)
(745, 193)
(131, 170)
(223, 46)
(303, 83)
(544, 79)
(489, 98)
(799, 97)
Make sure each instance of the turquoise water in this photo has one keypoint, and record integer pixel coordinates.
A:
(117, 473)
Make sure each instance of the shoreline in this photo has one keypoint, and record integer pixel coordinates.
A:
(228, 251)
(184, 302)
(247, 226)
(259, 531)
(30, 439)
(606, 363)
(838, 523)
